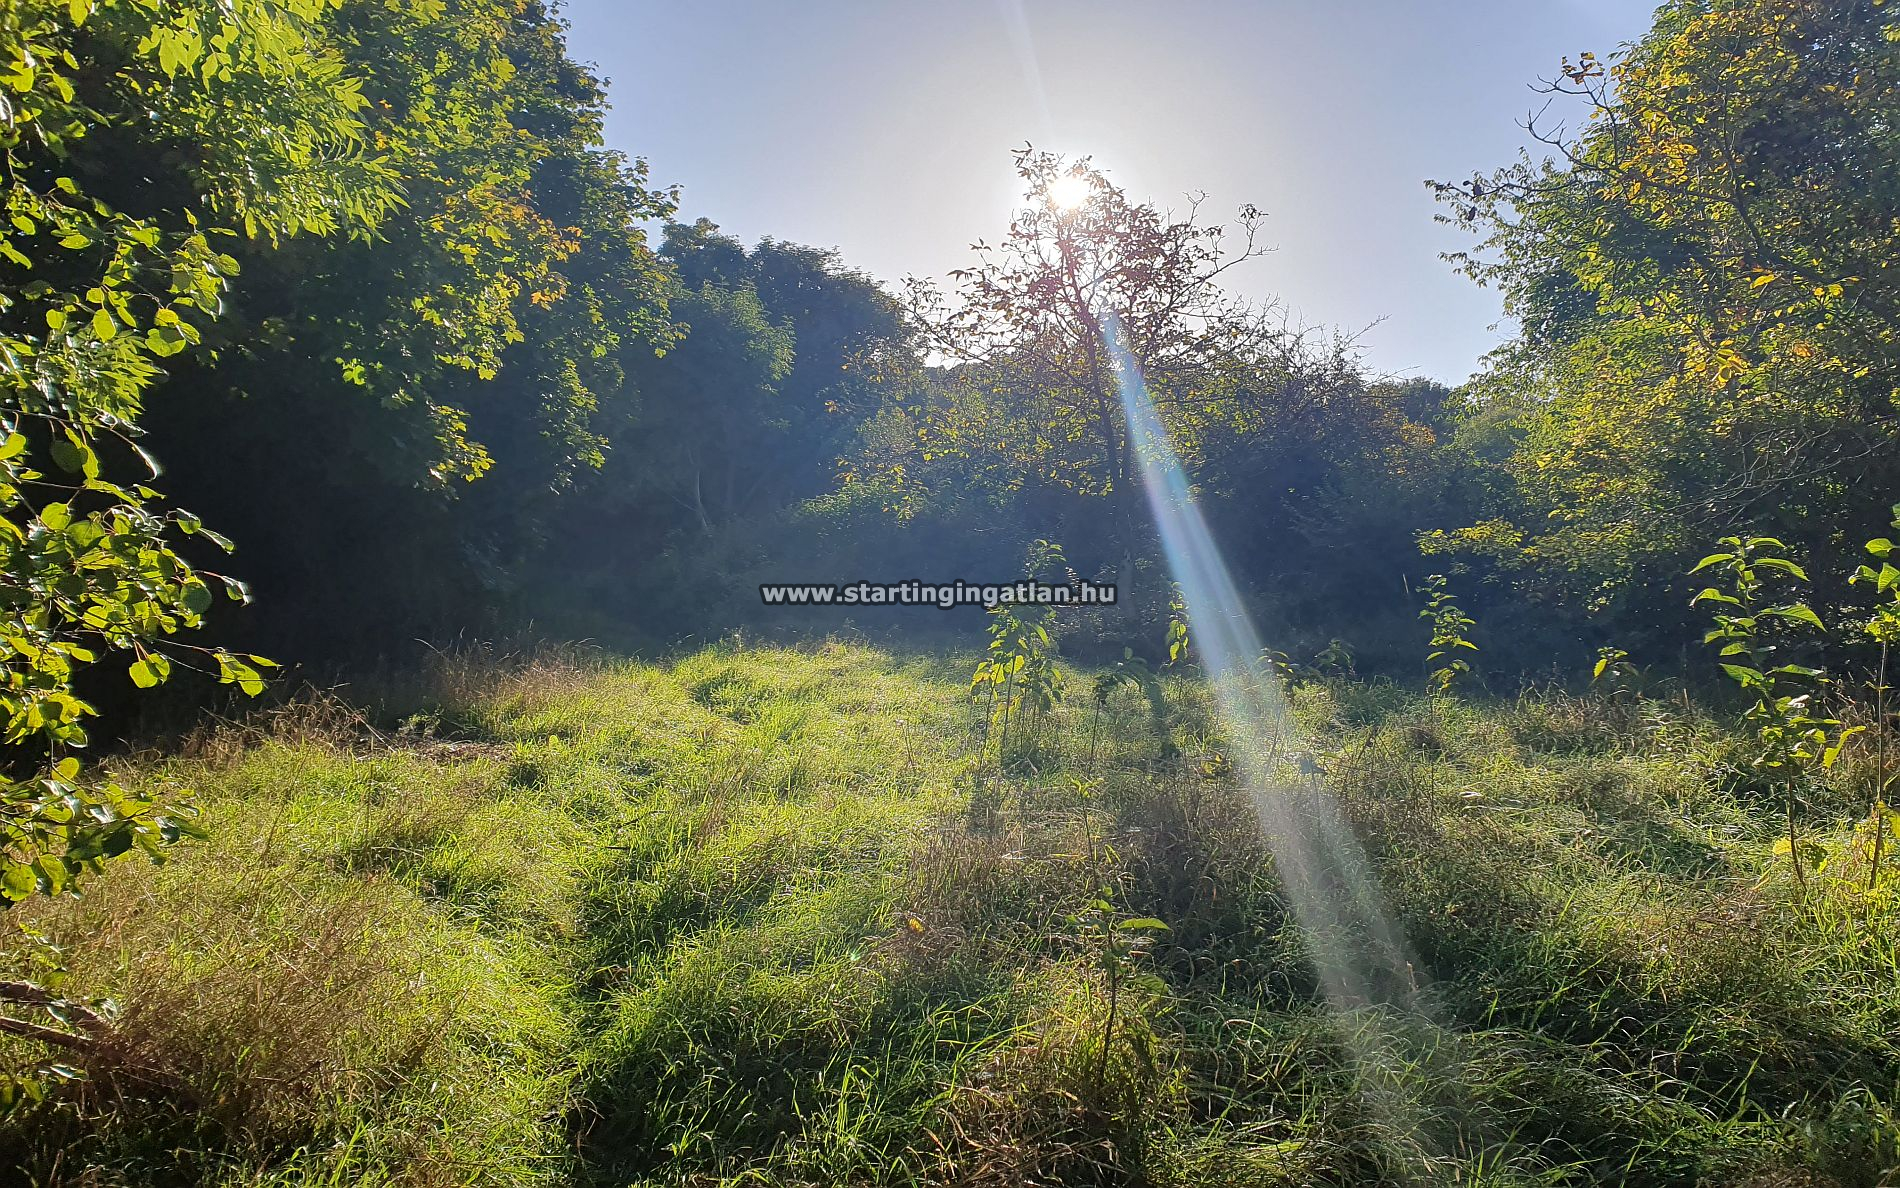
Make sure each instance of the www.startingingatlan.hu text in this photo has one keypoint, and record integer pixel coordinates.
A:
(944, 596)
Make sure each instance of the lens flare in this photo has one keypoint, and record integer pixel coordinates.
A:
(1358, 954)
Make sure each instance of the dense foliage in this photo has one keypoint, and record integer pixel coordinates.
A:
(1704, 279)
(389, 424)
(103, 282)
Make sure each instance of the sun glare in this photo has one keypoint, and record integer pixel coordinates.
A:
(1068, 191)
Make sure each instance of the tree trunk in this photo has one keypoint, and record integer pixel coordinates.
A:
(1124, 502)
(1125, 588)
(699, 506)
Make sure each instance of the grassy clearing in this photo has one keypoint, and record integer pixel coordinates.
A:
(781, 916)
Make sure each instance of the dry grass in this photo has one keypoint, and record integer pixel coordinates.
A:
(1043, 1109)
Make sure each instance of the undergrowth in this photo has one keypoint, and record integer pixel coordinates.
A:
(793, 916)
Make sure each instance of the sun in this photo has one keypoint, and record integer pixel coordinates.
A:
(1068, 191)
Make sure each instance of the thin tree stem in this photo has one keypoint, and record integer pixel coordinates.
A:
(1879, 812)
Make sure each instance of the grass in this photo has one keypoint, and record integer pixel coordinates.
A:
(784, 916)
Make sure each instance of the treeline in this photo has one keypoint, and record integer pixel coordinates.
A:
(433, 377)
(1702, 277)
(463, 391)
(1705, 280)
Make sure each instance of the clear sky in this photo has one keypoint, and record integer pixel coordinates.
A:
(883, 127)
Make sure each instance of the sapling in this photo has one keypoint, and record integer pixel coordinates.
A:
(1280, 666)
(1883, 627)
(1792, 735)
(1334, 661)
(1120, 945)
(1451, 628)
(1613, 664)
(1019, 670)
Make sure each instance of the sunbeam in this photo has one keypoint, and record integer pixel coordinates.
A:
(1358, 953)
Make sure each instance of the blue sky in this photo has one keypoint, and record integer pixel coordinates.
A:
(883, 127)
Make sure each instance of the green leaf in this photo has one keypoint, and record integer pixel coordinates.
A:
(232, 671)
(150, 669)
(1800, 670)
(1832, 755)
(74, 456)
(1798, 612)
(16, 880)
(1784, 565)
(195, 596)
(1712, 559)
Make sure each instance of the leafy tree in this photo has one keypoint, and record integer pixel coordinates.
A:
(393, 423)
(95, 293)
(1316, 477)
(1035, 387)
(731, 459)
(1317, 480)
(1702, 277)
(760, 403)
(713, 410)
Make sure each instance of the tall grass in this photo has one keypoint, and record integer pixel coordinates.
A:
(789, 916)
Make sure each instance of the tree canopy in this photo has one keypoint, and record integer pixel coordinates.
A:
(102, 282)
(1703, 275)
